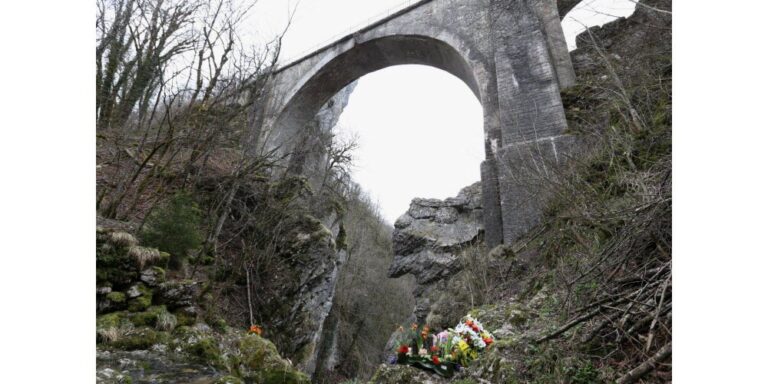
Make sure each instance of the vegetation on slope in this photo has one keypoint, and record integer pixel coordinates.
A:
(586, 296)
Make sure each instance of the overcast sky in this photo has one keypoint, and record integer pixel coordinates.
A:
(420, 129)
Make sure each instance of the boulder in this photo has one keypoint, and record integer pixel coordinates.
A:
(152, 276)
(179, 293)
(427, 237)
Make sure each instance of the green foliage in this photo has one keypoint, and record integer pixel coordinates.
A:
(174, 228)
(586, 374)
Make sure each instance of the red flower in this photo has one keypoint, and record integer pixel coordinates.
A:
(475, 328)
(468, 322)
(434, 348)
(403, 349)
(255, 329)
(488, 340)
(435, 359)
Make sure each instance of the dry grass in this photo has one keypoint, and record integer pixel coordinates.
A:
(109, 335)
(166, 322)
(123, 239)
(142, 255)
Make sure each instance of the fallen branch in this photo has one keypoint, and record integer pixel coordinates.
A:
(646, 367)
(569, 325)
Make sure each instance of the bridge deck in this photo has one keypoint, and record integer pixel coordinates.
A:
(367, 25)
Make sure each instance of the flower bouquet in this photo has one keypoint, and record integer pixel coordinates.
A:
(445, 352)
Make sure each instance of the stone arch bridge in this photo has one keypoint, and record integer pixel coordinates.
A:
(513, 56)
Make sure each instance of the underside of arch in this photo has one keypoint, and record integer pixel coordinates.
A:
(368, 57)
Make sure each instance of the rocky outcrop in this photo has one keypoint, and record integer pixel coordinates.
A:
(149, 330)
(430, 242)
(310, 303)
(309, 296)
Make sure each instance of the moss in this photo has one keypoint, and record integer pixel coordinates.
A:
(259, 353)
(263, 361)
(163, 261)
(149, 317)
(140, 303)
(159, 271)
(110, 320)
(207, 350)
(116, 297)
(182, 318)
(183, 331)
(140, 339)
(110, 327)
(219, 324)
(112, 261)
(228, 380)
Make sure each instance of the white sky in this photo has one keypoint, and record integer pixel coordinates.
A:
(420, 129)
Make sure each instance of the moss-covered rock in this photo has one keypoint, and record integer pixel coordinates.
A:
(185, 318)
(150, 317)
(153, 276)
(109, 327)
(259, 353)
(113, 265)
(116, 297)
(264, 364)
(206, 349)
(142, 298)
(110, 320)
(142, 338)
(179, 293)
(140, 303)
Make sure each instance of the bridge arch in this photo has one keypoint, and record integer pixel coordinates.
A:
(329, 76)
(512, 55)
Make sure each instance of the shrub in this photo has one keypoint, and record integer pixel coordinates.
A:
(174, 228)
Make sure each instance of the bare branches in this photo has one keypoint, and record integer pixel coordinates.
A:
(647, 366)
(148, 54)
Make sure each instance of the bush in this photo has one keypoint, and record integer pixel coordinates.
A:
(174, 228)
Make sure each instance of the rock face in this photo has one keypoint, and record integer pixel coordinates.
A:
(313, 296)
(315, 285)
(430, 240)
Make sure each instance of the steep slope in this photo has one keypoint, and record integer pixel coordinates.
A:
(586, 296)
